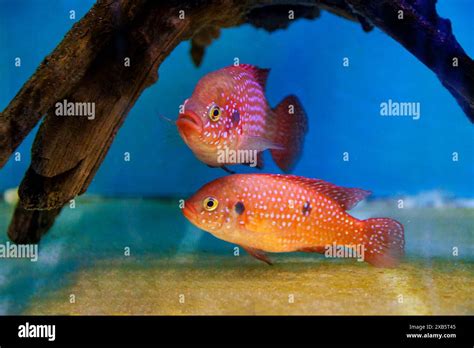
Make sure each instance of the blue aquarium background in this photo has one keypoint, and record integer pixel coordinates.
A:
(134, 203)
(390, 156)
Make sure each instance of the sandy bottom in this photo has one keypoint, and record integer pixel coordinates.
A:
(294, 285)
(83, 255)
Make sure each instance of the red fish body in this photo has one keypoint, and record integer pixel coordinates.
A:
(228, 111)
(285, 213)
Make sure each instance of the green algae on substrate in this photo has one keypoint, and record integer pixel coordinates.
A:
(225, 286)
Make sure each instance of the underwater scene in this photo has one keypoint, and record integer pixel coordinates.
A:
(311, 166)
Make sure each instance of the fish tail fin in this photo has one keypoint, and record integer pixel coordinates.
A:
(291, 127)
(384, 242)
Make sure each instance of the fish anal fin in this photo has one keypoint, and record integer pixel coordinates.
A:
(315, 249)
(258, 254)
(224, 168)
(227, 170)
(259, 162)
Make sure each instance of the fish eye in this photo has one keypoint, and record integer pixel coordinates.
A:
(215, 113)
(210, 203)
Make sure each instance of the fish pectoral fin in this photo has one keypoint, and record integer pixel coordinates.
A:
(258, 254)
(316, 249)
(256, 143)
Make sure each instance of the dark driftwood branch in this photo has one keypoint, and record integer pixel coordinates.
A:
(61, 71)
(429, 38)
(68, 151)
(88, 66)
(28, 226)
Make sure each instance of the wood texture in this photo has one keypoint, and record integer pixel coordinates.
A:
(62, 70)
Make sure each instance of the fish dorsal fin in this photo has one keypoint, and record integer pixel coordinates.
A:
(346, 197)
(261, 75)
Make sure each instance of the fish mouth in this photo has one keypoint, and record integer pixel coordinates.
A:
(189, 121)
(189, 211)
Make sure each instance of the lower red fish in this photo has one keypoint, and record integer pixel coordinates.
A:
(285, 213)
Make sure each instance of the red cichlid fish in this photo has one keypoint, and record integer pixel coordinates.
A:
(228, 110)
(284, 213)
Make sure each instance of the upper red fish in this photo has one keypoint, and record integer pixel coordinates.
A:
(228, 111)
